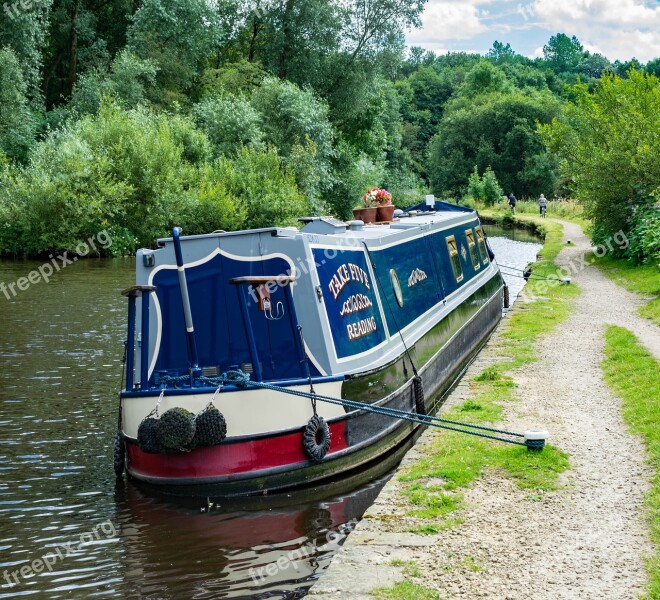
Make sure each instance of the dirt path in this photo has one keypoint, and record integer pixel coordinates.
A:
(586, 541)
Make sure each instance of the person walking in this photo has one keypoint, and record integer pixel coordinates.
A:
(512, 203)
(543, 205)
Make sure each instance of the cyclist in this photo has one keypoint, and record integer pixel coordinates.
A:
(543, 205)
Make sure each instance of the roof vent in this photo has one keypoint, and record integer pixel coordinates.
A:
(322, 225)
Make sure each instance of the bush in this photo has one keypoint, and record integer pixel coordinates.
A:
(644, 233)
(134, 173)
(485, 189)
(264, 186)
(229, 122)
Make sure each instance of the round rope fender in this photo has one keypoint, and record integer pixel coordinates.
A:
(316, 438)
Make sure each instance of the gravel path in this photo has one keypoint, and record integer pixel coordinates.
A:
(585, 541)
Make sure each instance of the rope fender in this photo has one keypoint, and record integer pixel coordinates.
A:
(316, 438)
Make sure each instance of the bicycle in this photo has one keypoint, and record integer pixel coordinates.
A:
(543, 209)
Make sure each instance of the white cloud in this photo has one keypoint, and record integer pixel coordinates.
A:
(619, 29)
(447, 21)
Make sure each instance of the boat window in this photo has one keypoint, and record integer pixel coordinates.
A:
(454, 258)
(472, 247)
(482, 245)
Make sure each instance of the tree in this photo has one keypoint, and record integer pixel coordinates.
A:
(133, 173)
(230, 122)
(486, 188)
(500, 53)
(562, 53)
(128, 81)
(25, 31)
(178, 36)
(496, 129)
(607, 142)
(17, 125)
(483, 78)
(83, 36)
(374, 24)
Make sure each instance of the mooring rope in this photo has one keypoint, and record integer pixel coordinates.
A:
(529, 274)
(242, 379)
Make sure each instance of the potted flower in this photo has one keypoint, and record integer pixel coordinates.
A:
(367, 209)
(384, 202)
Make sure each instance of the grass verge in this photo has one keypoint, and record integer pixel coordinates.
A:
(565, 210)
(634, 375)
(642, 279)
(406, 590)
(432, 487)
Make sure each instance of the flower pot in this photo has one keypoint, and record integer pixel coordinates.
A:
(366, 215)
(385, 213)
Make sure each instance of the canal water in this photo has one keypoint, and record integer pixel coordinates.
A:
(68, 529)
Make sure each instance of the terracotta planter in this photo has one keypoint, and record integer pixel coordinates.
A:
(385, 212)
(367, 215)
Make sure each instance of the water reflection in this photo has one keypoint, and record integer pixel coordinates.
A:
(202, 548)
(514, 250)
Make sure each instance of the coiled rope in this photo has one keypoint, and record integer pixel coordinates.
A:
(532, 440)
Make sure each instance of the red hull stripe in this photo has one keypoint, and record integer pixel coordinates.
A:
(230, 458)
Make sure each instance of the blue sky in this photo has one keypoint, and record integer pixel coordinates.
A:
(619, 29)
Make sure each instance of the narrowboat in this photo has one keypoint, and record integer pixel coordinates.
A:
(239, 341)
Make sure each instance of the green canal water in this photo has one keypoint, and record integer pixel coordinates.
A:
(68, 528)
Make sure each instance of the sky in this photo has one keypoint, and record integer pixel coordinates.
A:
(618, 29)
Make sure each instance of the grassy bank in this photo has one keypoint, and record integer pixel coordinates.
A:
(432, 489)
(635, 376)
(643, 280)
(433, 486)
(567, 210)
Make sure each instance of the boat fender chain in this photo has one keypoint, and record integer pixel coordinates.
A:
(119, 461)
(317, 438)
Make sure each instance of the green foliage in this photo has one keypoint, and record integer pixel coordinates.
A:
(644, 231)
(354, 173)
(17, 126)
(483, 78)
(296, 122)
(25, 34)
(178, 36)
(261, 183)
(634, 375)
(291, 114)
(128, 82)
(607, 144)
(497, 130)
(133, 173)
(485, 188)
(229, 122)
(563, 53)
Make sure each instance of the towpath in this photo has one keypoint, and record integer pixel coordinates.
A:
(587, 540)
